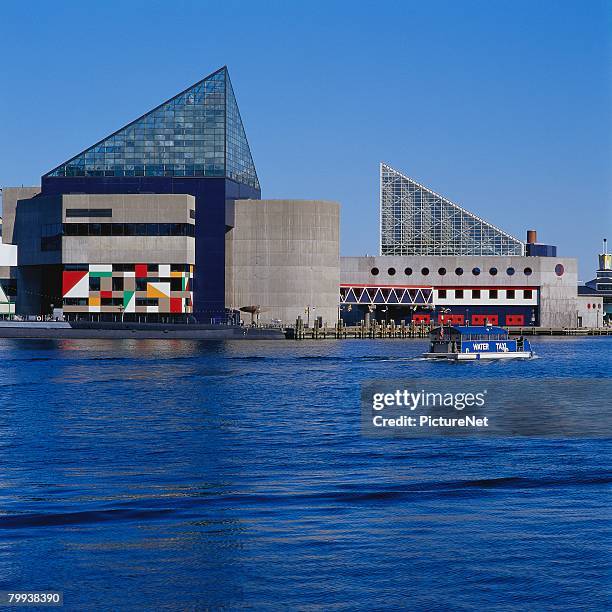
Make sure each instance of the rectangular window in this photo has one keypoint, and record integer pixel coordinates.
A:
(528, 294)
(94, 283)
(510, 294)
(77, 267)
(476, 294)
(459, 294)
(89, 212)
(117, 283)
(127, 229)
(493, 294)
(179, 268)
(141, 284)
(442, 294)
(123, 267)
(147, 302)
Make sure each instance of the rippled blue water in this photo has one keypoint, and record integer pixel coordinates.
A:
(182, 475)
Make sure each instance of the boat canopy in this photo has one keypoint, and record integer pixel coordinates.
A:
(469, 332)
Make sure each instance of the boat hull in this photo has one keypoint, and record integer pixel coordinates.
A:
(479, 356)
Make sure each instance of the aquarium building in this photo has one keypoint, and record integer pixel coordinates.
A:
(127, 205)
(163, 220)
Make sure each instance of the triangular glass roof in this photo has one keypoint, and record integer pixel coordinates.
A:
(198, 132)
(414, 220)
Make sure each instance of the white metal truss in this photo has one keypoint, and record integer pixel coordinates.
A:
(380, 294)
(415, 220)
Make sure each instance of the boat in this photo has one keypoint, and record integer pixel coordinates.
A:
(473, 342)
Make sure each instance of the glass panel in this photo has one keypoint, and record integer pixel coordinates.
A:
(199, 132)
(416, 221)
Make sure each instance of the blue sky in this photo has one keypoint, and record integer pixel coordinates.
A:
(501, 106)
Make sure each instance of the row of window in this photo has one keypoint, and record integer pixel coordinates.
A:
(475, 319)
(89, 212)
(118, 283)
(129, 229)
(511, 294)
(125, 267)
(110, 302)
(458, 271)
(217, 169)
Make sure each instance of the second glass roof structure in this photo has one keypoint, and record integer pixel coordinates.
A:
(197, 133)
(416, 221)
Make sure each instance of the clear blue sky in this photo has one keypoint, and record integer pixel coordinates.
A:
(502, 106)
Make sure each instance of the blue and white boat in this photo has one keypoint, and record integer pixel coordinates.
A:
(469, 343)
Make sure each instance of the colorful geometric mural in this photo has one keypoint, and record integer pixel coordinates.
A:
(128, 288)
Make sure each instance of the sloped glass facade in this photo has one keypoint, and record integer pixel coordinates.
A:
(197, 133)
(416, 221)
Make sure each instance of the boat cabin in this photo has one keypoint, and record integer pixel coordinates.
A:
(462, 342)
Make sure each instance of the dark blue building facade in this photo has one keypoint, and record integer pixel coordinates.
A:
(193, 144)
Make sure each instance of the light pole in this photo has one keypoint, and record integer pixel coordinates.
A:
(307, 311)
(386, 311)
(444, 311)
(121, 309)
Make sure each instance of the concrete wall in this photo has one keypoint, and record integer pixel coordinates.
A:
(590, 311)
(132, 208)
(31, 215)
(283, 255)
(557, 293)
(10, 195)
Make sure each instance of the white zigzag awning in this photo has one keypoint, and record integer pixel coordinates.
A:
(378, 295)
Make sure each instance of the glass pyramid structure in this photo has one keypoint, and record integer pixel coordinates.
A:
(416, 221)
(196, 133)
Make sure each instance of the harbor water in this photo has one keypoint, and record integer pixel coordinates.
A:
(175, 474)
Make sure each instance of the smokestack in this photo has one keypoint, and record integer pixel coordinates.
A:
(532, 236)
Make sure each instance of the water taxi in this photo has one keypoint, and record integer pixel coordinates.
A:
(473, 342)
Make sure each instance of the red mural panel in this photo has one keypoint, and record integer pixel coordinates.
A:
(517, 319)
(70, 278)
(176, 305)
(140, 270)
(421, 318)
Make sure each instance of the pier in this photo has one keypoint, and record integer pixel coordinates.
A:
(392, 330)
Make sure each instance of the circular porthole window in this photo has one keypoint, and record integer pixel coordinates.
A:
(493, 271)
(559, 269)
(510, 271)
(375, 271)
(459, 271)
(408, 271)
(391, 271)
(442, 271)
(425, 271)
(475, 271)
(528, 271)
